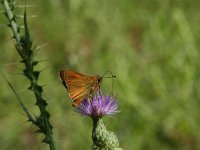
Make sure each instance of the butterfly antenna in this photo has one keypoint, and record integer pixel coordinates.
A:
(112, 87)
(112, 76)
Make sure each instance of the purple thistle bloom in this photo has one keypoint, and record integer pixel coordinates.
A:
(99, 106)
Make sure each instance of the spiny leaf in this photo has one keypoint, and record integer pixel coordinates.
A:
(26, 73)
(46, 114)
(42, 102)
(36, 74)
(46, 140)
(39, 88)
(38, 131)
(27, 35)
(19, 100)
(34, 63)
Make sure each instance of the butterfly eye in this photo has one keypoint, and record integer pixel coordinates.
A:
(99, 80)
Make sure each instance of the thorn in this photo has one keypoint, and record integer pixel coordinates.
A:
(32, 16)
(46, 140)
(43, 60)
(37, 50)
(21, 27)
(9, 64)
(22, 90)
(27, 6)
(21, 16)
(44, 85)
(38, 131)
(18, 99)
(34, 63)
(44, 69)
(14, 73)
(40, 46)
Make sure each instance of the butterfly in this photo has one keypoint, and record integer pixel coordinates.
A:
(80, 86)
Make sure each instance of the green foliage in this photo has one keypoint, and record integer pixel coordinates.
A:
(151, 46)
(24, 48)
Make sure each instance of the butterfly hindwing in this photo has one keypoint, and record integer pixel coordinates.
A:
(79, 86)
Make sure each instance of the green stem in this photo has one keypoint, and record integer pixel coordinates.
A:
(102, 138)
(13, 24)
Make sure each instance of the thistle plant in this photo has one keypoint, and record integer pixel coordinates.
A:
(23, 44)
(96, 108)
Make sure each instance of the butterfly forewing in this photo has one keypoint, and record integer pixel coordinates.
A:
(79, 86)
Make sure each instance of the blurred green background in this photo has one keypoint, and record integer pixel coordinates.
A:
(151, 46)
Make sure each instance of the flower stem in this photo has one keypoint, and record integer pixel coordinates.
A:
(102, 138)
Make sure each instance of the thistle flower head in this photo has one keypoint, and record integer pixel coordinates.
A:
(99, 106)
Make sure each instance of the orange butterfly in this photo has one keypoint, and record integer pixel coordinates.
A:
(80, 86)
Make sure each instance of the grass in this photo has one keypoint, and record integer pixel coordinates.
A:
(152, 47)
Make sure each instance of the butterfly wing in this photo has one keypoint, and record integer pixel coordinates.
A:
(79, 86)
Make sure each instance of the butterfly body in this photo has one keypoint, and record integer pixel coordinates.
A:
(79, 86)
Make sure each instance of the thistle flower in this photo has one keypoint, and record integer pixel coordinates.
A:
(99, 106)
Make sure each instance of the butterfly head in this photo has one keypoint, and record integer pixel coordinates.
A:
(99, 79)
(96, 84)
